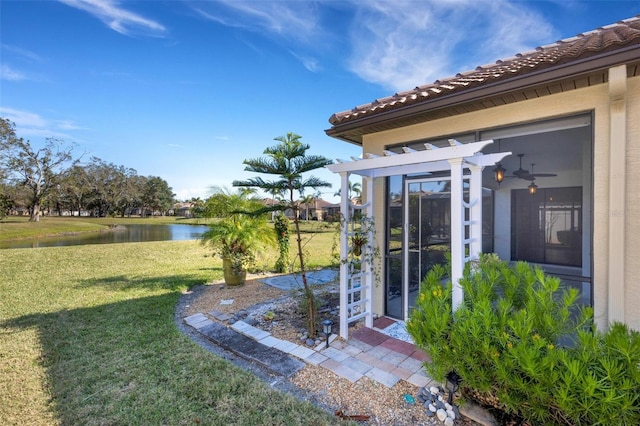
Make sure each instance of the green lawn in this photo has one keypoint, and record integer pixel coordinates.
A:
(88, 337)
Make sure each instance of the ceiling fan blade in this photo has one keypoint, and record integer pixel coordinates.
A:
(544, 175)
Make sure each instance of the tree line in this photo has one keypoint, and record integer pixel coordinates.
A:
(50, 179)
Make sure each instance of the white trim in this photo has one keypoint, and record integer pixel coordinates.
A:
(455, 158)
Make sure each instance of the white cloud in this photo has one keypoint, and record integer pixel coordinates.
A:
(32, 124)
(115, 17)
(24, 53)
(399, 44)
(404, 44)
(8, 73)
(68, 125)
(23, 118)
(296, 20)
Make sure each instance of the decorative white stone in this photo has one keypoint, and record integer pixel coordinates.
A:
(448, 406)
(451, 414)
(432, 408)
(434, 390)
(448, 421)
(441, 415)
(440, 398)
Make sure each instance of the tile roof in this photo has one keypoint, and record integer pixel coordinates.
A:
(604, 39)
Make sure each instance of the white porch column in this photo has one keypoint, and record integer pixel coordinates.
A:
(369, 278)
(457, 231)
(617, 185)
(344, 253)
(475, 212)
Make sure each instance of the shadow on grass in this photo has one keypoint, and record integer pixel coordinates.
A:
(127, 363)
(175, 283)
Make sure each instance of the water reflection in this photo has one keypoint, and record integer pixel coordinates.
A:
(122, 234)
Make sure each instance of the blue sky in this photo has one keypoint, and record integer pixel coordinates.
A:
(186, 90)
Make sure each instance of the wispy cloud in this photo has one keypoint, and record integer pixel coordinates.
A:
(116, 17)
(403, 44)
(295, 23)
(10, 74)
(33, 124)
(291, 19)
(27, 54)
(309, 62)
(399, 44)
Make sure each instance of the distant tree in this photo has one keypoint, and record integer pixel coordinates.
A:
(6, 200)
(306, 201)
(197, 206)
(355, 191)
(157, 195)
(73, 190)
(289, 161)
(37, 170)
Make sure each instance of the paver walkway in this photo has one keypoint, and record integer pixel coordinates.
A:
(368, 352)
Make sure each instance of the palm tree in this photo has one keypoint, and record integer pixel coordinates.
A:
(288, 160)
(306, 201)
(355, 191)
(236, 236)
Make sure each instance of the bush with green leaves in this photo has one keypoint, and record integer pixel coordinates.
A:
(520, 341)
(281, 225)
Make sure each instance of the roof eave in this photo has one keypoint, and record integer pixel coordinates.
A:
(548, 75)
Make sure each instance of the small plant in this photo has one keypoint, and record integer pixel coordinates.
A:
(236, 236)
(362, 248)
(269, 316)
(521, 343)
(358, 240)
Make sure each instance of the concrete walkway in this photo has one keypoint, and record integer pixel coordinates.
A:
(294, 281)
(369, 352)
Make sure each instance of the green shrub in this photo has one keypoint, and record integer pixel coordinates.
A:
(521, 342)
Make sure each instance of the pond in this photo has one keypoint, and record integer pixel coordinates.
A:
(121, 234)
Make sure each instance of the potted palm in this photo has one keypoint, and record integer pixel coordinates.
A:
(236, 236)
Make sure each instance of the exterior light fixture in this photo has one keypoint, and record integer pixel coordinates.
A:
(499, 173)
(533, 188)
(326, 328)
(453, 382)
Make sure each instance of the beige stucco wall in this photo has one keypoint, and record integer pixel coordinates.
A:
(594, 99)
(632, 214)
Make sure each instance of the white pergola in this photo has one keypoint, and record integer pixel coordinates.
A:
(356, 288)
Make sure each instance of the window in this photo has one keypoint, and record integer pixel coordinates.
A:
(547, 227)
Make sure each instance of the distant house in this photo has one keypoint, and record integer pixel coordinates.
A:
(182, 209)
(315, 210)
(534, 157)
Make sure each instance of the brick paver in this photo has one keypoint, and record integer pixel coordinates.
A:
(383, 377)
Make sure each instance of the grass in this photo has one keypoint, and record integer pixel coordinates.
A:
(88, 337)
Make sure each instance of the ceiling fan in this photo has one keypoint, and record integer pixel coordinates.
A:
(526, 175)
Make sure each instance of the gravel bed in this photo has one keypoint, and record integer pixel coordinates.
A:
(384, 406)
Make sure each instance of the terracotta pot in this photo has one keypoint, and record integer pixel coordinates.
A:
(232, 277)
